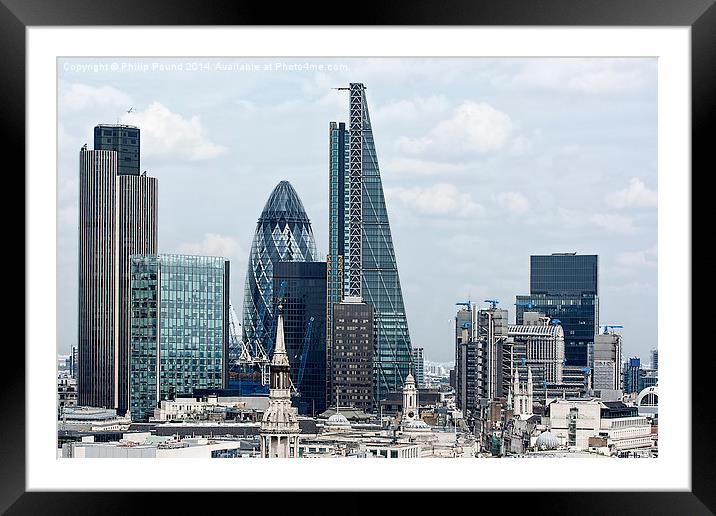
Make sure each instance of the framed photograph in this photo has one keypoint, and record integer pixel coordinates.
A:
(460, 237)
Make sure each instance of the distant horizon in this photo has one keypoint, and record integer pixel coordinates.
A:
(484, 162)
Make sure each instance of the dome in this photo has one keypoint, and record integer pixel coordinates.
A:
(547, 441)
(648, 397)
(284, 203)
(338, 420)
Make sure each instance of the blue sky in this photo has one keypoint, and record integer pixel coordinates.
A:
(484, 162)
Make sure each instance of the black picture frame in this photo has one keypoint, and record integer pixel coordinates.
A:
(699, 15)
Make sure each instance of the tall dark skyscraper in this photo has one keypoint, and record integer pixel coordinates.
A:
(117, 218)
(283, 234)
(304, 329)
(361, 258)
(353, 355)
(564, 286)
(123, 139)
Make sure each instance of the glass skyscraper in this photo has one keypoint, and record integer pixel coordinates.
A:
(304, 329)
(564, 286)
(283, 234)
(361, 260)
(179, 327)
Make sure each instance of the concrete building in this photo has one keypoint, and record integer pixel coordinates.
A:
(352, 354)
(206, 408)
(605, 357)
(538, 344)
(494, 353)
(117, 218)
(655, 359)
(146, 446)
(279, 426)
(91, 419)
(618, 426)
(66, 392)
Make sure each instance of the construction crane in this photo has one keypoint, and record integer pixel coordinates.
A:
(526, 305)
(303, 357)
(493, 302)
(466, 304)
(608, 327)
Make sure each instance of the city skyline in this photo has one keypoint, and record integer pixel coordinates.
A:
(429, 188)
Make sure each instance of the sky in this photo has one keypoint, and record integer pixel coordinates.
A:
(484, 162)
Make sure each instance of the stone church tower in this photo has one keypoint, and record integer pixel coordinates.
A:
(279, 428)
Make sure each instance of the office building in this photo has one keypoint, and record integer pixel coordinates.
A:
(564, 286)
(117, 218)
(493, 365)
(419, 367)
(361, 257)
(633, 375)
(539, 345)
(353, 355)
(304, 329)
(124, 140)
(655, 359)
(483, 358)
(606, 361)
(283, 234)
(465, 356)
(180, 328)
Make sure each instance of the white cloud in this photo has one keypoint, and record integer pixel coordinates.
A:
(642, 258)
(164, 132)
(618, 224)
(594, 76)
(636, 195)
(216, 245)
(439, 199)
(514, 202)
(474, 128)
(409, 110)
(79, 97)
(413, 166)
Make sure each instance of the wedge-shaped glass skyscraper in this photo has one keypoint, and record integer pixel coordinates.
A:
(361, 261)
(283, 234)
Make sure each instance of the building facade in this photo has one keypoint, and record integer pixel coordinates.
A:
(465, 357)
(179, 328)
(304, 329)
(606, 361)
(539, 345)
(353, 355)
(633, 374)
(361, 257)
(124, 140)
(283, 234)
(419, 367)
(117, 218)
(564, 286)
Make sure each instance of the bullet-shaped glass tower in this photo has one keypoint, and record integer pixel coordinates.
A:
(283, 234)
